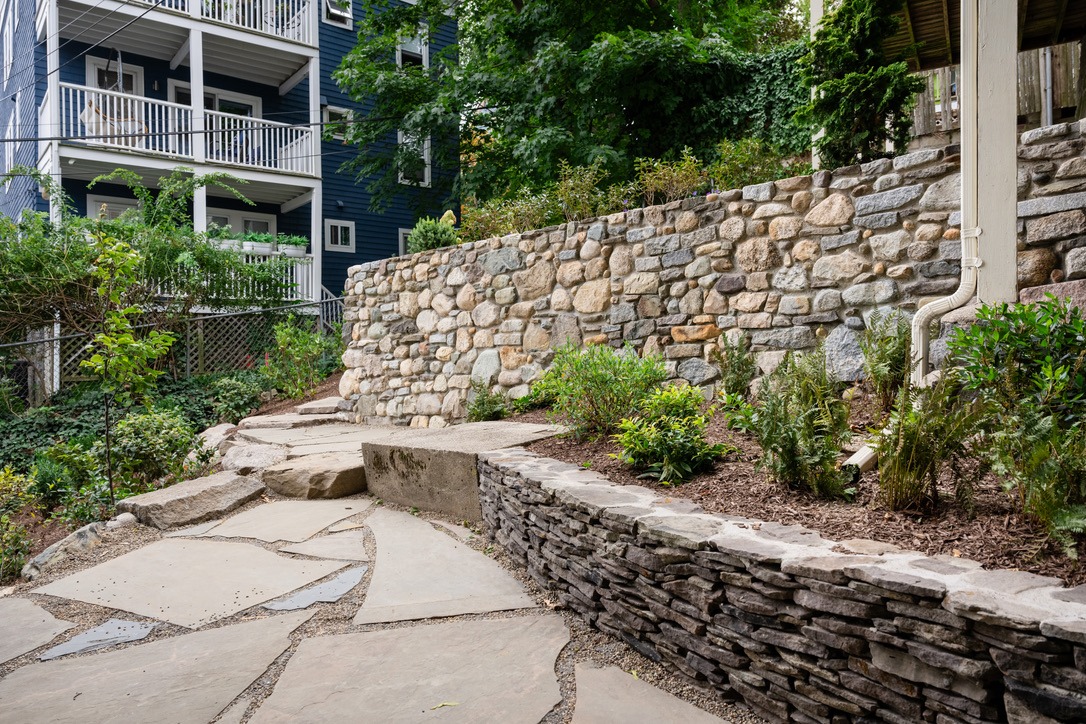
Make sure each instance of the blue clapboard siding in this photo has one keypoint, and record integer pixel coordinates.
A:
(19, 107)
(377, 235)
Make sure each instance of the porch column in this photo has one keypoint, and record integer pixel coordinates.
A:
(992, 115)
(316, 238)
(52, 65)
(316, 232)
(199, 138)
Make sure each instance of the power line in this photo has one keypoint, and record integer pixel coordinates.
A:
(92, 26)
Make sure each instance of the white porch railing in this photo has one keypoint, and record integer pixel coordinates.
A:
(294, 275)
(121, 120)
(257, 143)
(287, 19)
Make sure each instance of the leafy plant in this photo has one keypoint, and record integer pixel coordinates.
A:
(14, 546)
(750, 161)
(430, 234)
(151, 445)
(862, 99)
(596, 387)
(928, 429)
(671, 180)
(737, 366)
(293, 365)
(235, 398)
(801, 424)
(885, 344)
(666, 440)
(485, 405)
(577, 191)
(542, 393)
(292, 240)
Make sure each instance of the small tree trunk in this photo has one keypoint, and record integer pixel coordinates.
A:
(109, 455)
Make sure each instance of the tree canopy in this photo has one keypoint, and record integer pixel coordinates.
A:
(531, 83)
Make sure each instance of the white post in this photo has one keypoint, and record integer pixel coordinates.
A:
(52, 65)
(818, 11)
(199, 138)
(997, 168)
(316, 233)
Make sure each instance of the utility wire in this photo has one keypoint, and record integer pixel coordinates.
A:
(30, 53)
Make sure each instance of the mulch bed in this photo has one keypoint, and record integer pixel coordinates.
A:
(996, 534)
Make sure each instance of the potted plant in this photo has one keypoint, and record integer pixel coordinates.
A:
(292, 245)
(258, 243)
(223, 237)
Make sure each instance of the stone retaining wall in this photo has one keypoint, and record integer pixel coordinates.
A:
(802, 629)
(785, 262)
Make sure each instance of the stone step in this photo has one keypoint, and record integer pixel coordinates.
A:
(286, 421)
(326, 406)
(192, 501)
(326, 475)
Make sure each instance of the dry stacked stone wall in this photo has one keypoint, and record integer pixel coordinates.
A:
(786, 263)
(802, 629)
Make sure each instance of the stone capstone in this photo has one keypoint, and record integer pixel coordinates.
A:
(192, 501)
(327, 475)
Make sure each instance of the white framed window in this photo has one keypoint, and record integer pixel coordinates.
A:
(338, 235)
(215, 99)
(404, 233)
(108, 208)
(413, 52)
(241, 221)
(419, 176)
(338, 12)
(336, 120)
(102, 73)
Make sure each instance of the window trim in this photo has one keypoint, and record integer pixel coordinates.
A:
(94, 64)
(424, 49)
(237, 219)
(345, 14)
(329, 246)
(255, 101)
(425, 183)
(96, 201)
(326, 117)
(403, 234)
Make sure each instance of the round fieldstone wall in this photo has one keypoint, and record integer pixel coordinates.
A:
(801, 628)
(786, 263)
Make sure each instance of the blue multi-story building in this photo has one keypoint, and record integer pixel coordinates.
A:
(241, 86)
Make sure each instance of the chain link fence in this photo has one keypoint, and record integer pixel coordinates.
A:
(50, 361)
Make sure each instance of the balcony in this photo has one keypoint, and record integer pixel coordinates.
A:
(124, 122)
(293, 279)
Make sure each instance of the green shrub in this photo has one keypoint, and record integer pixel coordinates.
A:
(542, 393)
(667, 438)
(577, 191)
(14, 546)
(928, 428)
(51, 481)
(749, 161)
(596, 387)
(15, 491)
(293, 366)
(148, 446)
(526, 211)
(885, 344)
(737, 366)
(430, 234)
(667, 181)
(801, 424)
(235, 398)
(486, 405)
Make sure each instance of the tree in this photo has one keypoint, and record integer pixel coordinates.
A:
(863, 100)
(532, 83)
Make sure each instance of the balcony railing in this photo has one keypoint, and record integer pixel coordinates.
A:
(145, 125)
(291, 279)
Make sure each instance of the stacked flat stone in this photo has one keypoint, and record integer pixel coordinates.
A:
(785, 262)
(801, 628)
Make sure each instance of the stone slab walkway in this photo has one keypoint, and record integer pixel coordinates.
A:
(300, 611)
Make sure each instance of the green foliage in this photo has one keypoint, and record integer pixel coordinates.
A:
(928, 429)
(293, 366)
(664, 181)
(235, 398)
(430, 234)
(151, 445)
(737, 366)
(886, 343)
(596, 387)
(485, 405)
(531, 84)
(14, 546)
(15, 491)
(523, 212)
(863, 99)
(801, 424)
(578, 189)
(666, 439)
(750, 161)
(292, 240)
(542, 393)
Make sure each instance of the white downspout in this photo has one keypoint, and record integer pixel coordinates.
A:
(969, 100)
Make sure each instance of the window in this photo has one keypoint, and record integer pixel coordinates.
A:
(241, 221)
(417, 174)
(338, 12)
(102, 74)
(338, 235)
(413, 52)
(107, 208)
(336, 121)
(404, 233)
(238, 104)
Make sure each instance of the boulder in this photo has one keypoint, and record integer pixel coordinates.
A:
(192, 501)
(246, 459)
(324, 475)
(83, 539)
(844, 358)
